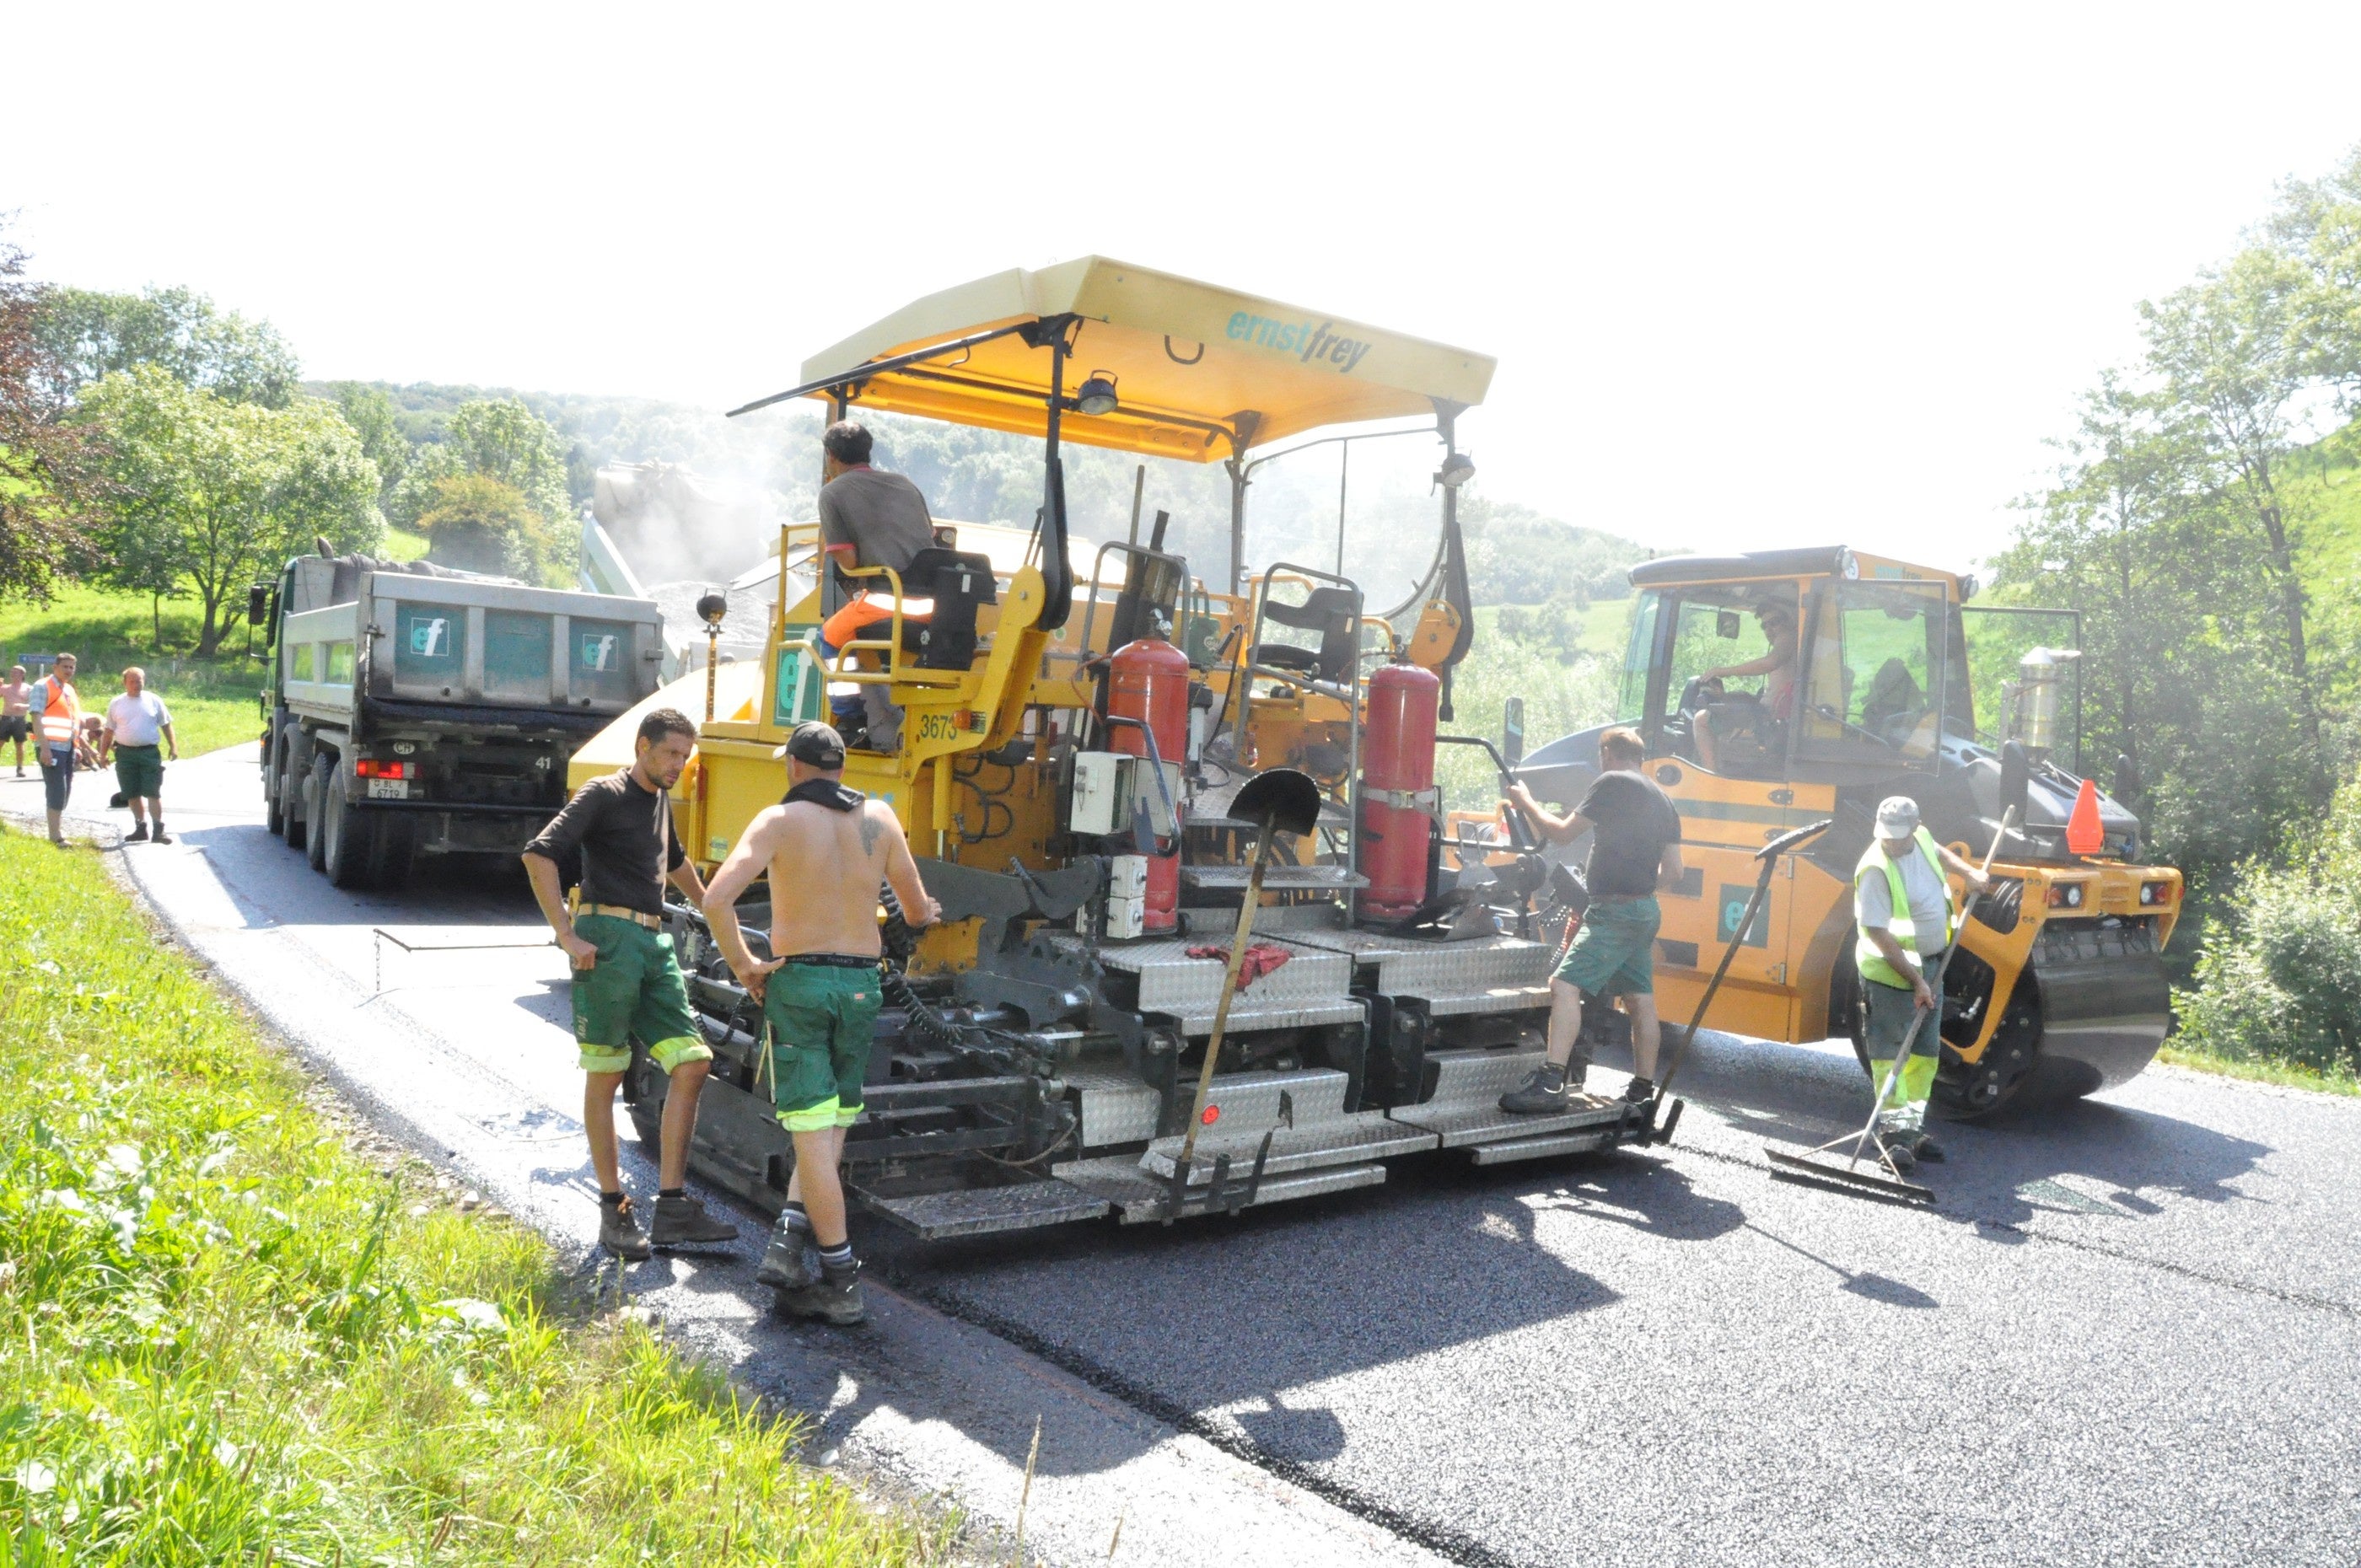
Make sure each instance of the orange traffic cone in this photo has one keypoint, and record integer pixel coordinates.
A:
(2084, 836)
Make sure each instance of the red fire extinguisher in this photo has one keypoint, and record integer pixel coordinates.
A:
(1398, 799)
(1148, 680)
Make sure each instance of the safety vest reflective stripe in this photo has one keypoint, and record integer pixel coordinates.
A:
(1866, 956)
(60, 713)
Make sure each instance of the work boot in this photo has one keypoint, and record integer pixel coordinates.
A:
(792, 1260)
(1928, 1151)
(1544, 1091)
(1639, 1091)
(683, 1221)
(620, 1233)
(834, 1298)
(138, 835)
(1899, 1158)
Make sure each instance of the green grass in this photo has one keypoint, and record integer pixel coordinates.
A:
(400, 547)
(225, 1336)
(213, 700)
(2290, 1075)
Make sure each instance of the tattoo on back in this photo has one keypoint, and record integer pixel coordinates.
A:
(869, 830)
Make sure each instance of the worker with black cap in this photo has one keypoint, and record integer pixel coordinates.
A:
(1903, 904)
(825, 849)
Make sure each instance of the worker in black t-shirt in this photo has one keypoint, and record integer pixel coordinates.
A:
(627, 978)
(1635, 847)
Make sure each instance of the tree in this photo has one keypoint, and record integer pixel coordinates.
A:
(2227, 350)
(47, 472)
(478, 525)
(215, 494)
(91, 335)
(501, 440)
(376, 420)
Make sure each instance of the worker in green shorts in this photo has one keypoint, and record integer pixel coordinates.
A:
(627, 980)
(825, 849)
(1635, 847)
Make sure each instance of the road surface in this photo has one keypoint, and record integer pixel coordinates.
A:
(2130, 1332)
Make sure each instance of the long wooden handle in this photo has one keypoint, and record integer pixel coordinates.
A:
(1239, 945)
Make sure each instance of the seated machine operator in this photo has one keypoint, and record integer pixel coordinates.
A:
(1761, 723)
(867, 518)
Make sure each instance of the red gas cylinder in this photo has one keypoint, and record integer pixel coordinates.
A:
(1148, 680)
(1397, 779)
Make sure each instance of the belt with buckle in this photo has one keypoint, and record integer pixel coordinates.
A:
(653, 922)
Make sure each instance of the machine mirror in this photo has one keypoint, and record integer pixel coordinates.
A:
(1726, 625)
(1512, 731)
(2015, 781)
(2126, 781)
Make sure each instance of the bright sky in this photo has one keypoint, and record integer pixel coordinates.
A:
(1755, 274)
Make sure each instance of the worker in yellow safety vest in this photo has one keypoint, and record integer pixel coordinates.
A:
(1901, 901)
(60, 710)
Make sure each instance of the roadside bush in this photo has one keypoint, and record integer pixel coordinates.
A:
(2276, 979)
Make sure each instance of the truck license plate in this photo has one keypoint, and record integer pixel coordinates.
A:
(388, 789)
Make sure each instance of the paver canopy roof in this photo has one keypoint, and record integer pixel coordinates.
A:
(1200, 371)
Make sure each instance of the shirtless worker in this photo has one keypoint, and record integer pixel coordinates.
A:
(16, 713)
(825, 849)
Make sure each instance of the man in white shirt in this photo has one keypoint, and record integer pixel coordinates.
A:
(136, 721)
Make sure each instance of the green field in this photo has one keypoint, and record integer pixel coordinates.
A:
(213, 700)
(225, 1336)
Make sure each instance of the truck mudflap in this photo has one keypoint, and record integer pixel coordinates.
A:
(2105, 1007)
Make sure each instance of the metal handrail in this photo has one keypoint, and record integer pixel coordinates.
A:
(1247, 669)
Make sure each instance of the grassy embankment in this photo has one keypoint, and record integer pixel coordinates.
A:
(213, 700)
(225, 1336)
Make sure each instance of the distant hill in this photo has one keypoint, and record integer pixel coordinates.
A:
(1516, 555)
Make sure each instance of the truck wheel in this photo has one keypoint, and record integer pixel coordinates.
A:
(316, 809)
(290, 795)
(274, 804)
(346, 835)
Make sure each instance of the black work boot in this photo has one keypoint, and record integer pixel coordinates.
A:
(620, 1233)
(138, 835)
(835, 1298)
(683, 1221)
(792, 1260)
(1899, 1158)
(1639, 1091)
(1928, 1151)
(1544, 1091)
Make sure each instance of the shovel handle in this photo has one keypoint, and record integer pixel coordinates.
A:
(1239, 945)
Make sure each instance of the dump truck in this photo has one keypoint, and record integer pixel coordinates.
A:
(1895, 683)
(412, 709)
(1070, 743)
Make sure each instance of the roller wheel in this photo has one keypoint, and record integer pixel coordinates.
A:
(315, 810)
(1968, 1090)
(291, 786)
(346, 836)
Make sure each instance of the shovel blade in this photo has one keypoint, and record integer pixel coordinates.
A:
(1861, 1180)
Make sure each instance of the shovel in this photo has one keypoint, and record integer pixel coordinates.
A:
(1768, 858)
(1279, 801)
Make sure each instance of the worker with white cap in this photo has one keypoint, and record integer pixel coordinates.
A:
(1903, 904)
